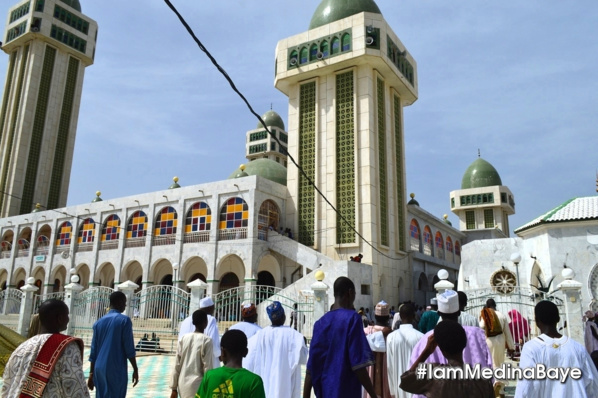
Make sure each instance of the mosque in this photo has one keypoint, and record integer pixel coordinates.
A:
(347, 78)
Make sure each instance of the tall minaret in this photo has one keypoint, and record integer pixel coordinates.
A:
(49, 44)
(348, 78)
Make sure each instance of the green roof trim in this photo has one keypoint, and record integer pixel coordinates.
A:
(73, 3)
(334, 10)
(265, 168)
(546, 217)
(480, 174)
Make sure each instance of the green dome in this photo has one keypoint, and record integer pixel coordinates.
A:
(73, 3)
(480, 174)
(265, 168)
(271, 118)
(334, 10)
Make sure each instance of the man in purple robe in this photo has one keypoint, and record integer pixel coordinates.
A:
(476, 350)
(339, 352)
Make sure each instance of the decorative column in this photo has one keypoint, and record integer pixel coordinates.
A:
(320, 290)
(443, 284)
(573, 306)
(198, 289)
(128, 288)
(26, 307)
(71, 292)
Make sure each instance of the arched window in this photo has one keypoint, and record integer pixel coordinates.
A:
(294, 56)
(346, 42)
(234, 218)
(64, 234)
(415, 236)
(449, 255)
(427, 241)
(198, 223)
(439, 243)
(303, 55)
(313, 52)
(166, 222)
(457, 248)
(324, 48)
(137, 227)
(228, 281)
(111, 228)
(268, 218)
(336, 45)
(87, 231)
(43, 241)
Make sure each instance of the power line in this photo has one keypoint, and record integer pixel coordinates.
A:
(289, 156)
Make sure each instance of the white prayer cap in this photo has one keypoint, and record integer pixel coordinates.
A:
(433, 301)
(448, 302)
(206, 302)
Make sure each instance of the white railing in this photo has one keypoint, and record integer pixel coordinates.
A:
(10, 301)
(85, 247)
(109, 245)
(43, 297)
(5, 254)
(135, 242)
(164, 240)
(23, 253)
(232, 233)
(196, 237)
(41, 250)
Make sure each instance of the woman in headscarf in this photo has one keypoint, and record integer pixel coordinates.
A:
(519, 327)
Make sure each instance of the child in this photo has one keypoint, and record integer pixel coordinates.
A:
(193, 359)
(231, 380)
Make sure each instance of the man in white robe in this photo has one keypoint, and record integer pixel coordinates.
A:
(248, 325)
(496, 344)
(206, 304)
(276, 354)
(555, 351)
(399, 345)
(67, 378)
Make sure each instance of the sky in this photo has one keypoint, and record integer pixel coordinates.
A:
(515, 79)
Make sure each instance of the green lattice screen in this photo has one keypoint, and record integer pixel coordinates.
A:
(399, 164)
(382, 161)
(345, 158)
(13, 125)
(37, 131)
(63, 133)
(307, 160)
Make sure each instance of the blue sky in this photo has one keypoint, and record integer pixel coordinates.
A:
(518, 80)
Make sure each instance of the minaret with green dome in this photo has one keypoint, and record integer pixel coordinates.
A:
(348, 78)
(49, 44)
(483, 204)
(261, 145)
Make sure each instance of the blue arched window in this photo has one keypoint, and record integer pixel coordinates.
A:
(303, 56)
(346, 42)
(324, 48)
(313, 52)
(336, 45)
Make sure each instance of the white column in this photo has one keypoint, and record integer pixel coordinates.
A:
(70, 295)
(320, 290)
(443, 284)
(128, 288)
(573, 306)
(26, 307)
(198, 289)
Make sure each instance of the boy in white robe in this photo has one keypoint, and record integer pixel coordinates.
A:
(555, 351)
(399, 345)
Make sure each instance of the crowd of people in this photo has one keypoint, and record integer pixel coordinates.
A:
(353, 353)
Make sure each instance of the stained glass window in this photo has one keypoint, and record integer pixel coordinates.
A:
(414, 231)
(324, 48)
(199, 218)
(303, 55)
(457, 248)
(42, 241)
(346, 39)
(313, 52)
(23, 243)
(87, 231)
(427, 241)
(336, 45)
(111, 228)
(439, 241)
(137, 227)
(449, 244)
(64, 234)
(234, 214)
(166, 222)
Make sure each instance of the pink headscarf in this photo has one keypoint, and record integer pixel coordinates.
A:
(518, 326)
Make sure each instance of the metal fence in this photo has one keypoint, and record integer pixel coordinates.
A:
(10, 306)
(300, 308)
(517, 303)
(40, 298)
(89, 306)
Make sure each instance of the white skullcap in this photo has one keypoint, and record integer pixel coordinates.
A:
(448, 302)
(206, 302)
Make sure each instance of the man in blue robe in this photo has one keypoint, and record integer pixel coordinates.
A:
(339, 352)
(112, 344)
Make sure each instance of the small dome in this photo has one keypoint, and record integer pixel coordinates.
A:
(334, 10)
(265, 168)
(37, 208)
(413, 201)
(97, 198)
(73, 3)
(175, 184)
(446, 220)
(271, 118)
(480, 174)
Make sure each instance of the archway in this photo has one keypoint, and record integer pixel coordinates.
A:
(83, 273)
(270, 264)
(194, 268)
(39, 274)
(58, 277)
(268, 217)
(18, 277)
(265, 278)
(131, 272)
(160, 270)
(105, 275)
(3, 278)
(231, 263)
(228, 281)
